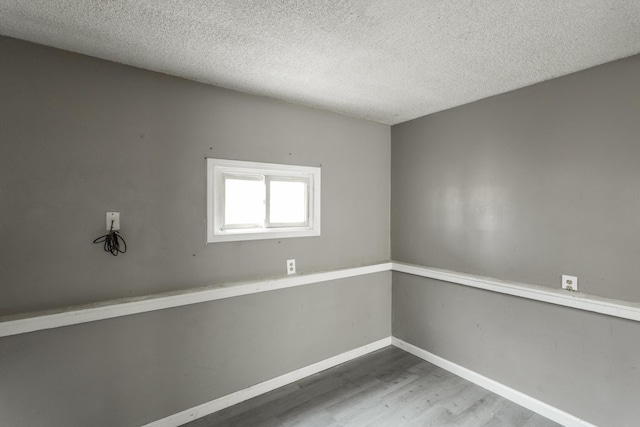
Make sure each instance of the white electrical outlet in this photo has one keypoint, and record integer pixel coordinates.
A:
(569, 283)
(291, 266)
(115, 217)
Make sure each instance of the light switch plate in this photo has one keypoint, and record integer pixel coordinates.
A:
(115, 217)
(569, 283)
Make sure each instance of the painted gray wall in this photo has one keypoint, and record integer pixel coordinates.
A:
(133, 370)
(527, 186)
(583, 363)
(81, 136)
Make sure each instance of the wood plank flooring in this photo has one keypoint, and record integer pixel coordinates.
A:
(389, 387)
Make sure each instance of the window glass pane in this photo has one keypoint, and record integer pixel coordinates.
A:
(243, 202)
(287, 202)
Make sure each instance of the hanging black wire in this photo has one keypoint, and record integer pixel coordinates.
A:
(113, 242)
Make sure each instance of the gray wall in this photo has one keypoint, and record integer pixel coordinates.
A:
(583, 363)
(81, 136)
(527, 186)
(133, 370)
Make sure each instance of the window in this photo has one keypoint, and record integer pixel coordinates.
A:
(248, 200)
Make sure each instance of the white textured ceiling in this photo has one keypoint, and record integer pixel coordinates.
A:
(386, 61)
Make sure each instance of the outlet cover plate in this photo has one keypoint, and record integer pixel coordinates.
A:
(291, 266)
(569, 283)
(115, 217)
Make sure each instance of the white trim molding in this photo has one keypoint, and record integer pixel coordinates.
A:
(30, 322)
(521, 399)
(578, 300)
(240, 396)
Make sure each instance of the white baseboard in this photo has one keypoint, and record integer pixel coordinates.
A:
(264, 387)
(521, 399)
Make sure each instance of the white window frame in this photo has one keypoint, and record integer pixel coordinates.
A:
(218, 169)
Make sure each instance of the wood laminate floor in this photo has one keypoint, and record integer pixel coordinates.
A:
(389, 387)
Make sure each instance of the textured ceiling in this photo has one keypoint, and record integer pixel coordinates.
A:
(386, 61)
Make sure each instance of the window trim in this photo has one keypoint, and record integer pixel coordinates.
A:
(217, 168)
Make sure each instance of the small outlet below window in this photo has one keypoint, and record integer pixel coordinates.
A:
(569, 283)
(291, 266)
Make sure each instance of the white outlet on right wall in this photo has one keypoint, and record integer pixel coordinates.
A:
(570, 283)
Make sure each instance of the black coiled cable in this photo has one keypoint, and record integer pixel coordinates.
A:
(113, 242)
